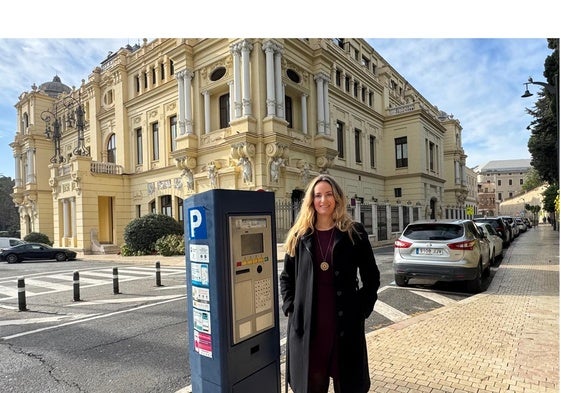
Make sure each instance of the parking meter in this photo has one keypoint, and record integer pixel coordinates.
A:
(232, 292)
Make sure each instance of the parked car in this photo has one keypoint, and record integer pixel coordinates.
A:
(37, 251)
(501, 226)
(527, 222)
(510, 221)
(444, 250)
(495, 240)
(6, 242)
(522, 227)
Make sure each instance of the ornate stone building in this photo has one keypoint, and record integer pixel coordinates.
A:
(155, 123)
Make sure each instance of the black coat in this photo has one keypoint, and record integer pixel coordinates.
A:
(354, 301)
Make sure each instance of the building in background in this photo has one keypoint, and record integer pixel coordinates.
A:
(499, 181)
(156, 123)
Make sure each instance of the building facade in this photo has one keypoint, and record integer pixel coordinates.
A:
(500, 181)
(156, 123)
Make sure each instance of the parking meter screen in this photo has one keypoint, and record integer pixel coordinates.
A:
(251, 243)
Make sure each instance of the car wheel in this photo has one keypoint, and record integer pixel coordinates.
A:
(476, 285)
(60, 256)
(492, 259)
(12, 258)
(400, 280)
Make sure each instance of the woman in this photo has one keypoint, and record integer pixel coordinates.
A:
(322, 295)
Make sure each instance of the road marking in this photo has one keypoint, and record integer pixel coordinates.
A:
(29, 321)
(89, 319)
(46, 284)
(435, 297)
(123, 300)
(13, 292)
(389, 312)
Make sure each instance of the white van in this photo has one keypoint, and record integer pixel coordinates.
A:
(6, 242)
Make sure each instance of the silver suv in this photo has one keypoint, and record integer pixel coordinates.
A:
(443, 250)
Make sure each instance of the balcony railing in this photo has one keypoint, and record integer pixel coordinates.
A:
(106, 167)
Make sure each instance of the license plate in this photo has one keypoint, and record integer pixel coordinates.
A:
(429, 251)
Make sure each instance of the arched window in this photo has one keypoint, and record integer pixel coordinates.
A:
(111, 150)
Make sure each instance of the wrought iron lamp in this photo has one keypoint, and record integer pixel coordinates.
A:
(75, 118)
(52, 131)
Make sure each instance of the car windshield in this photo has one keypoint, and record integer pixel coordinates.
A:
(433, 231)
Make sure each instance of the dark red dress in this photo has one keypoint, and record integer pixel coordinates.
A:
(323, 347)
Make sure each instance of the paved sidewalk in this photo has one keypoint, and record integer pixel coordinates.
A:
(503, 340)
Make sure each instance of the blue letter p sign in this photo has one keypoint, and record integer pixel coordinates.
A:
(197, 223)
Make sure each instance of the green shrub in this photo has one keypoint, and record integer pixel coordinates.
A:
(127, 252)
(142, 233)
(37, 237)
(170, 245)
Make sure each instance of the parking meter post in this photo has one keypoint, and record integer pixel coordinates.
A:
(22, 303)
(115, 281)
(76, 282)
(158, 275)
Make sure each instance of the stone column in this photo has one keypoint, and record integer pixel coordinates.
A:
(17, 163)
(188, 75)
(206, 96)
(73, 217)
(180, 90)
(246, 47)
(65, 218)
(278, 84)
(237, 81)
(268, 47)
(304, 102)
(320, 104)
(327, 128)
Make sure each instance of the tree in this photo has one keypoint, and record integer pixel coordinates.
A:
(9, 216)
(543, 144)
(532, 180)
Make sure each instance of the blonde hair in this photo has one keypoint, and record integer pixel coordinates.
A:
(307, 217)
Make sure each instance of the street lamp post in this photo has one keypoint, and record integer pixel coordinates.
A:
(554, 91)
(52, 131)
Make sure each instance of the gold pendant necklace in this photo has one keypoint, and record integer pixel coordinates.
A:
(324, 265)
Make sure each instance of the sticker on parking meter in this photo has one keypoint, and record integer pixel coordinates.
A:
(199, 274)
(198, 253)
(201, 298)
(201, 320)
(203, 344)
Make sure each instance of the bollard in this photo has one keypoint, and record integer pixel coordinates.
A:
(76, 279)
(21, 294)
(115, 281)
(158, 275)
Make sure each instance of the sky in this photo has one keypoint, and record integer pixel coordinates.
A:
(473, 71)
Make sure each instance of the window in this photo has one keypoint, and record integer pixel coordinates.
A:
(152, 206)
(217, 74)
(138, 132)
(137, 83)
(499, 182)
(397, 192)
(224, 103)
(179, 210)
(111, 149)
(355, 89)
(288, 110)
(340, 42)
(173, 132)
(431, 156)
(500, 196)
(145, 80)
(155, 142)
(165, 201)
(171, 68)
(153, 75)
(347, 84)
(401, 152)
(138, 211)
(521, 181)
(372, 148)
(357, 146)
(162, 71)
(340, 140)
(510, 182)
(338, 78)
